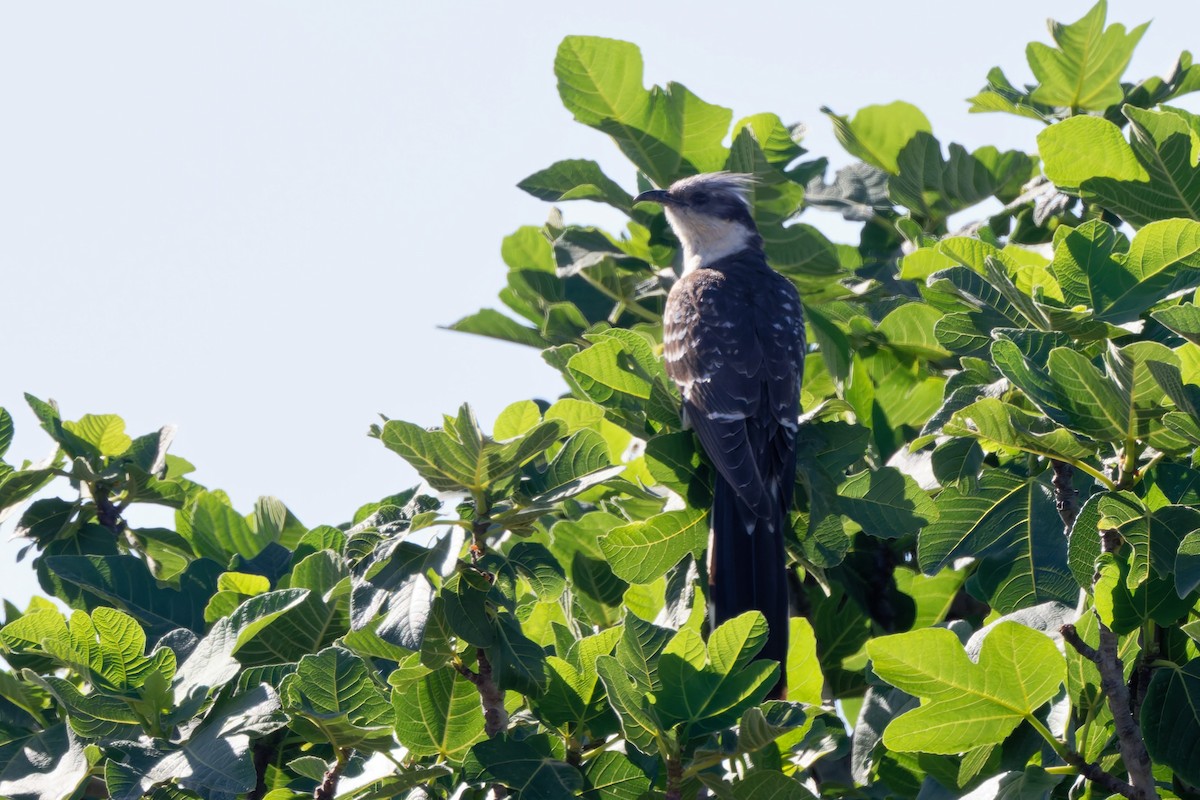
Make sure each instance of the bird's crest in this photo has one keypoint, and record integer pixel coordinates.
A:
(736, 184)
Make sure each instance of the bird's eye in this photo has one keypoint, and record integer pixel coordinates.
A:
(700, 198)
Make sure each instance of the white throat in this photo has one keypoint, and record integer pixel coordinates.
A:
(706, 239)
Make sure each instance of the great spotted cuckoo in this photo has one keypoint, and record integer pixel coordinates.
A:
(733, 339)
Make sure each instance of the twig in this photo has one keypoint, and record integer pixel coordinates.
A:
(1129, 738)
(1105, 780)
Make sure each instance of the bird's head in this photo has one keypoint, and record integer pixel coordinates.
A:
(710, 214)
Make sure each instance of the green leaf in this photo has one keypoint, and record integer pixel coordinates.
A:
(966, 705)
(47, 765)
(516, 420)
(1170, 719)
(999, 426)
(804, 679)
(211, 663)
(491, 323)
(108, 647)
(126, 582)
(612, 776)
(668, 133)
(439, 715)
(1096, 272)
(577, 179)
(457, 457)
(518, 662)
(464, 596)
(1151, 177)
(104, 432)
(1187, 564)
(581, 464)
(6, 431)
(214, 761)
(644, 550)
(1084, 72)
(218, 532)
(886, 503)
(878, 133)
(1155, 535)
(1011, 525)
(539, 567)
(527, 766)
(331, 698)
(1184, 319)
(709, 693)
(909, 329)
(934, 188)
(1124, 609)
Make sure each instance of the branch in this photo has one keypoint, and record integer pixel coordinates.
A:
(674, 779)
(491, 697)
(107, 514)
(1066, 498)
(1112, 684)
(327, 789)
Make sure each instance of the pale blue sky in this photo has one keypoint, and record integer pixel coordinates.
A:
(249, 218)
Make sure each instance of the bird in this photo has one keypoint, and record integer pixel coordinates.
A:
(734, 344)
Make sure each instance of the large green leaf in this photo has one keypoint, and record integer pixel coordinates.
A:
(1153, 176)
(1001, 426)
(459, 457)
(47, 765)
(886, 503)
(577, 179)
(6, 431)
(668, 133)
(527, 766)
(331, 697)
(878, 133)
(613, 776)
(966, 705)
(1119, 280)
(1011, 524)
(214, 761)
(709, 689)
(1084, 72)
(1154, 534)
(439, 715)
(644, 550)
(107, 647)
(126, 582)
(1170, 719)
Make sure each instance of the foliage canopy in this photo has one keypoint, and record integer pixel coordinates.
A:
(996, 539)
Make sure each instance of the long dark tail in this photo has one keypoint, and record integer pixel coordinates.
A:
(747, 570)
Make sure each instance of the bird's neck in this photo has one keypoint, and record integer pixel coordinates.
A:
(707, 241)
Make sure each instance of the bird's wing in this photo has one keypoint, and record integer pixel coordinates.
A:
(737, 358)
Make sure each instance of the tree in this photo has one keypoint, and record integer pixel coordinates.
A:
(996, 545)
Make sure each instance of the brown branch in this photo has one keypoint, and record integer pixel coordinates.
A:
(674, 779)
(1066, 498)
(327, 789)
(263, 753)
(491, 697)
(1105, 780)
(1129, 737)
(1112, 685)
(107, 514)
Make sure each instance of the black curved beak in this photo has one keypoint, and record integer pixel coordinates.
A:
(654, 196)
